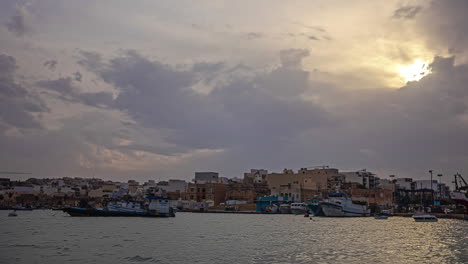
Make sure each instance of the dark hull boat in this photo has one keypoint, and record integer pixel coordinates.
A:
(78, 211)
(156, 207)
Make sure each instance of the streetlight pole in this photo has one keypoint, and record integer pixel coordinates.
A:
(432, 190)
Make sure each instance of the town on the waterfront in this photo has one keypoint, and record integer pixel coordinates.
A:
(315, 190)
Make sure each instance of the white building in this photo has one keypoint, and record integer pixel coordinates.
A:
(404, 183)
(425, 184)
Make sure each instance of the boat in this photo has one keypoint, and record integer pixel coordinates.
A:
(424, 217)
(339, 204)
(21, 208)
(314, 206)
(13, 213)
(158, 206)
(386, 212)
(271, 209)
(285, 209)
(381, 216)
(299, 208)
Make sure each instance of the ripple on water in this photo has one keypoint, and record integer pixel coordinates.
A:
(139, 258)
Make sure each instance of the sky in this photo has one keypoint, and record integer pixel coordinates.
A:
(160, 89)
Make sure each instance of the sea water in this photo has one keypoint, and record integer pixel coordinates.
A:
(44, 236)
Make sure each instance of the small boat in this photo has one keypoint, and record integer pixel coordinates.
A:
(381, 217)
(386, 212)
(13, 213)
(157, 207)
(21, 208)
(424, 217)
(299, 208)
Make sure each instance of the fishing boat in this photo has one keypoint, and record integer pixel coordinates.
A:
(285, 209)
(157, 206)
(299, 208)
(271, 209)
(339, 204)
(314, 206)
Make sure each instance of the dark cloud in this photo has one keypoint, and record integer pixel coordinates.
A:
(17, 23)
(445, 24)
(254, 35)
(17, 104)
(313, 38)
(50, 64)
(78, 76)
(407, 12)
(69, 92)
(243, 111)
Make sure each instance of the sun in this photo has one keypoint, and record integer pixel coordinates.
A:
(415, 71)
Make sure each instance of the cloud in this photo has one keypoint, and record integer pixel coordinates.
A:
(254, 35)
(445, 25)
(17, 104)
(292, 58)
(78, 76)
(68, 91)
(407, 12)
(18, 24)
(237, 113)
(50, 64)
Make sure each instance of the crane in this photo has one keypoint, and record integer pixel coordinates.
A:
(460, 183)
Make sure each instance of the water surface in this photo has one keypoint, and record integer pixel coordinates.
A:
(45, 236)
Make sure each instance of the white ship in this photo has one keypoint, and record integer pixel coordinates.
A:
(299, 208)
(339, 204)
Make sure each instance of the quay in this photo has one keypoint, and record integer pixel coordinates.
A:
(438, 215)
(221, 212)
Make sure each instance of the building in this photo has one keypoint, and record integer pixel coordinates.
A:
(404, 183)
(206, 177)
(303, 185)
(363, 177)
(256, 176)
(213, 193)
(173, 185)
(382, 198)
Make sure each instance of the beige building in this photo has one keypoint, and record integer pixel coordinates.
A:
(303, 185)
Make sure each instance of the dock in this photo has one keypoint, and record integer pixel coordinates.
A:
(438, 215)
(221, 212)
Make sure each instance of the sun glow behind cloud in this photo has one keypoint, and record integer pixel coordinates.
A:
(415, 71)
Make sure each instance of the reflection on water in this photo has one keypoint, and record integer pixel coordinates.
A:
(53, 237)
